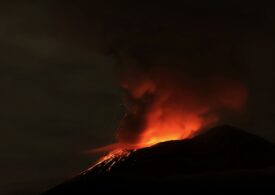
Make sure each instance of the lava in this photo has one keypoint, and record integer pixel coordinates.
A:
(107, 162)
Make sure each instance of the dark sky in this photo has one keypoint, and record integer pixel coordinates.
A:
(59, 62)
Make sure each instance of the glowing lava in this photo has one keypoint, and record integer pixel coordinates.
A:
(107, 162)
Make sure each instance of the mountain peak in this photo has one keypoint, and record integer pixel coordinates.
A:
(223, 154)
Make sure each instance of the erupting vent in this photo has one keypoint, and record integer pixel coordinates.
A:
(164, 107)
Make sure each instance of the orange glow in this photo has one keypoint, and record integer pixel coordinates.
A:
(159, 112)
(169, 123)
(108, 161)
(169, 128)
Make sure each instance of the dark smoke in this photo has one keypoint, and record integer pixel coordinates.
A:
(191, 51)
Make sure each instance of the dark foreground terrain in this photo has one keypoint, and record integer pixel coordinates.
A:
(223, 160)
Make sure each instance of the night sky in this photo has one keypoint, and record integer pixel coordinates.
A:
(61, 63)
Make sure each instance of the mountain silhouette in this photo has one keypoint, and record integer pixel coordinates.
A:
(224, 159)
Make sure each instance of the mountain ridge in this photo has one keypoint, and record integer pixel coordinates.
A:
(224, 155)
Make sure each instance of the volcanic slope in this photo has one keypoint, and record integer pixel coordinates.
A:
(221, 159)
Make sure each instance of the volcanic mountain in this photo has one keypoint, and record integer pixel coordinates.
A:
(222, 159)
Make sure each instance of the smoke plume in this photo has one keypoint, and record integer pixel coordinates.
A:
(179, 65)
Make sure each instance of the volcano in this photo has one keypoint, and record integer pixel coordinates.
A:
(222, 159)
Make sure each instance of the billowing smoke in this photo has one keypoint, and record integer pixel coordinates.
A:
(180, 65)
(167, 100)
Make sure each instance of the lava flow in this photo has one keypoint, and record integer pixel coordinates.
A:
(106, 163)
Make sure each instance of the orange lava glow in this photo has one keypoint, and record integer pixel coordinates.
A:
(169, 128)
(165, 122)
(169, 111)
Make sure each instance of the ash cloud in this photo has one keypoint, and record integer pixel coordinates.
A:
(193, 51)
